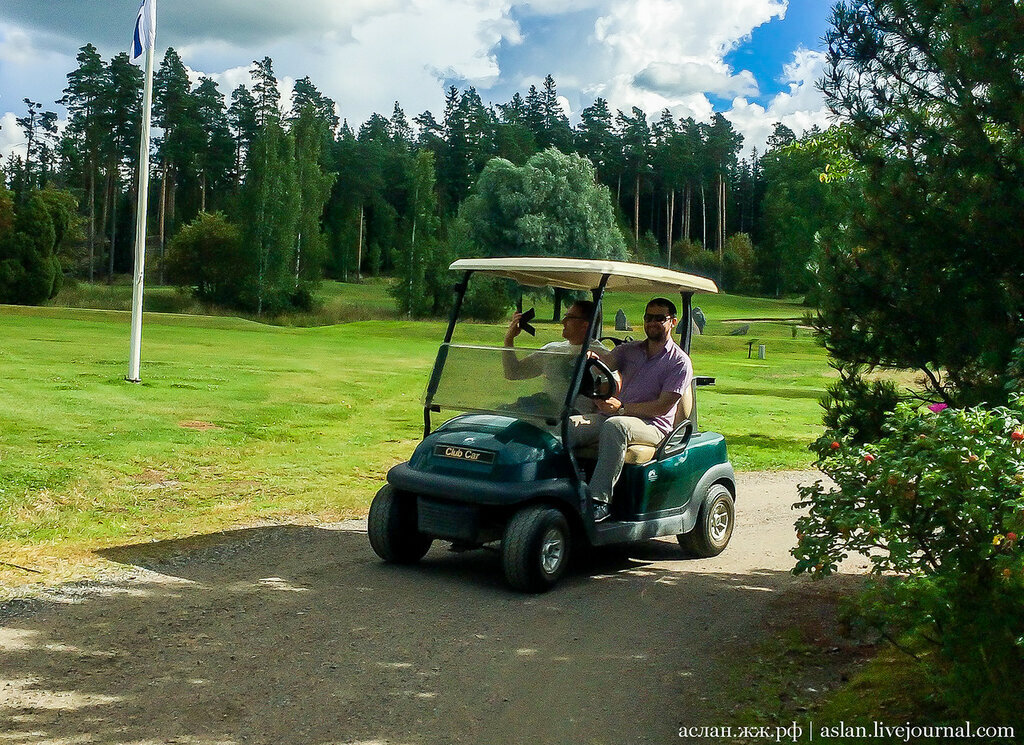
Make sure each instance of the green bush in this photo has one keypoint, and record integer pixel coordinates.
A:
(30, 273)
(207, 257)
(738, 264)
(936, 505)
(704, 263)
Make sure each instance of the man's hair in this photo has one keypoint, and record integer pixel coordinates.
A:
(666, 303)
(586, 307)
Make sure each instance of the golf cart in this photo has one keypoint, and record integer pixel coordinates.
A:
(501, 470)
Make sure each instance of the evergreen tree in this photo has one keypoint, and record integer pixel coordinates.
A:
(244, 125)
(84, 100)
(398, 126)
(266, 96)
(597, 140)
(926, 272)
(123, 118)
(555, 130)
(215, 158)
(29, 271)
(40, 130)
(306, 97)
(175, 111)
(635, 136)
(723, 145)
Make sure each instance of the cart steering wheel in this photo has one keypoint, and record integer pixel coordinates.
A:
(598, 380)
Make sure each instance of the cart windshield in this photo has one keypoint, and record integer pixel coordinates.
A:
(528, 384)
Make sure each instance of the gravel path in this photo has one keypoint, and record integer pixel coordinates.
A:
(293, 634)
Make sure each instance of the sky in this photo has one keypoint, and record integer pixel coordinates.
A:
(755, 61)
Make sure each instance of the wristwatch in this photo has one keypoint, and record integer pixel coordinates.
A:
(622, 410)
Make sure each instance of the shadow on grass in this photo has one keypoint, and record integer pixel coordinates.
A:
(755, 440)
(813, 394)
(301, 635)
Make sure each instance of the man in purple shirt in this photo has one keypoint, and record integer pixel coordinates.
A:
(655, 373)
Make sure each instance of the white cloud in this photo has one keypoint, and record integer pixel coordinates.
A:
(11, 139)
(799, 108)
(642, 32)
(695, 77)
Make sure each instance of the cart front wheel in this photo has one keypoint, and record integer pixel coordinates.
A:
(392, 527)
(715, 521)
(535, 550)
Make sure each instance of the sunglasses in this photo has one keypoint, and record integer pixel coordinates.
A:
(656, 318)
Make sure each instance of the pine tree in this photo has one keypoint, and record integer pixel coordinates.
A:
(243, 123)
(83, 98)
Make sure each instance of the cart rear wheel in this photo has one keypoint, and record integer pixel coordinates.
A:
(535, 550)
(715, 521)
(392, 527)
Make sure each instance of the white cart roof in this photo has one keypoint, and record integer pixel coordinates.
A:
(585, 274)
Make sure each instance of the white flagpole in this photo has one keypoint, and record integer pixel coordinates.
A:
(135, 353)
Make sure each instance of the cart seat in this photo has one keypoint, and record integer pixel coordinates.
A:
(645, 453)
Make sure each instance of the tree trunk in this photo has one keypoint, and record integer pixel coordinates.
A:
(671, 223)
(721, 217)
(92, 218)
(687, 201)
(359, 251)
(172, 198)
(113, 227)
(202, 192)
(163, 209)
(105, 215)
(703, 218)
(412, 247)
(636, 213)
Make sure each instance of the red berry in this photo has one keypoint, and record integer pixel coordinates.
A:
(869, 458)
(835, 445)
(1017, 435)
(1011, 536)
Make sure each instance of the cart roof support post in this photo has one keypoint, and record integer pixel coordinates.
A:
(442, 353)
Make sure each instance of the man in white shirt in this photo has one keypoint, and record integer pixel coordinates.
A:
(554, 360)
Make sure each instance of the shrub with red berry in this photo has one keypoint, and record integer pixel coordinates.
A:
(936, 505)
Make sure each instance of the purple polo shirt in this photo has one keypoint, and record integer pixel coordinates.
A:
(645, 379)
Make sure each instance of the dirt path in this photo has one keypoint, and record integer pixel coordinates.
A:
(300, 635)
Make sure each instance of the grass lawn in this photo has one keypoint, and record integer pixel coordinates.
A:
(238, 421)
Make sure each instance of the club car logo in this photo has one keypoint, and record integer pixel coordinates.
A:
(460, 453)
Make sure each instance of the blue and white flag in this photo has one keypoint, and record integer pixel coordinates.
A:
(145, 29)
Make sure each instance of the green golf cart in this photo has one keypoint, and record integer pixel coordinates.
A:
(504, 467)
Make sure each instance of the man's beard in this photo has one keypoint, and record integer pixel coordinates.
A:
(658, 335)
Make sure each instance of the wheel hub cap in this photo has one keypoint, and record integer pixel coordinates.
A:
(552, 550)
(719, 523)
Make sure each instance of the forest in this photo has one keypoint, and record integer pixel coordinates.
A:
(294, 193)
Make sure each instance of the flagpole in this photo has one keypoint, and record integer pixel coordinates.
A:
(135, 351)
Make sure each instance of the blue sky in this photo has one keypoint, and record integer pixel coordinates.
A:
(754, 60)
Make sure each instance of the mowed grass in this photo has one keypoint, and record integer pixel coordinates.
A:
(237, 422)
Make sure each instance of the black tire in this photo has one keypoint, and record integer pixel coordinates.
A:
(715, 523)
(392, 527)
(535, 550)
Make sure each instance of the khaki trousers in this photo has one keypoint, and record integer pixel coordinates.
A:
(614, 435)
